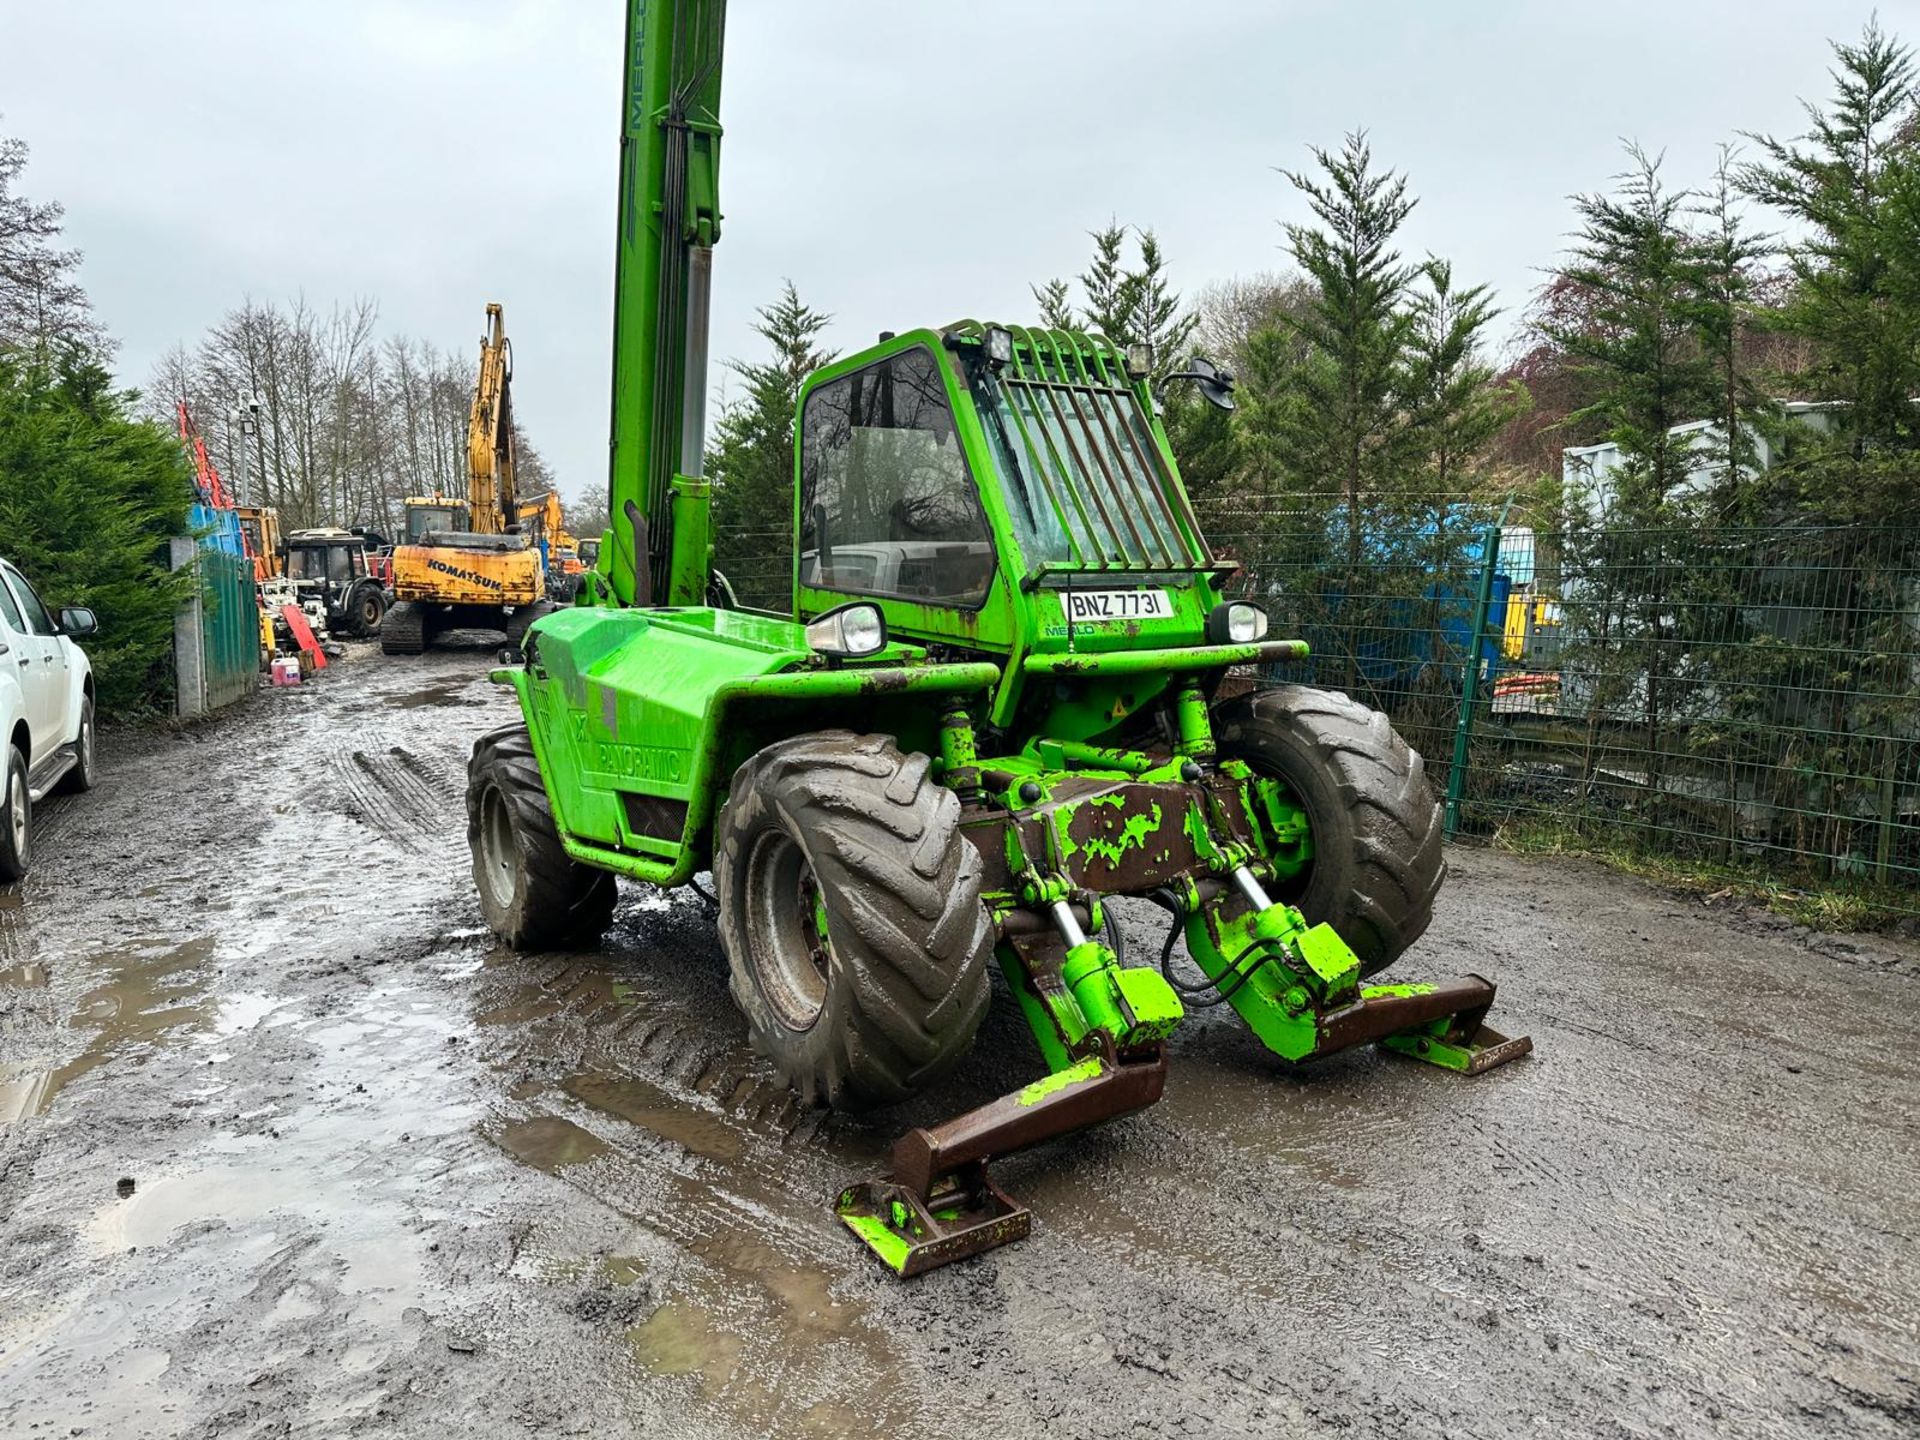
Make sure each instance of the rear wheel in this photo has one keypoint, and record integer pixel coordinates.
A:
(367, 610)
(16, 818)
(80, 778)
(403, 630)
(1376, 864)
(532, 893)
(851, 915)
(523, 617)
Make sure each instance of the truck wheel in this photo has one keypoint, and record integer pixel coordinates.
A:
(80, 778)
(523, 617)
(533, 894)
(851, 915)
(369, 609)
(1376, 827)
(16, 819)
(403, 630)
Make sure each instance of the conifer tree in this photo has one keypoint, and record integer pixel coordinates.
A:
(750, 461)
(1851, 185)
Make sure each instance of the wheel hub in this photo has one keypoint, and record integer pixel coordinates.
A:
(792, 953)
(499, 856)
(17, 812)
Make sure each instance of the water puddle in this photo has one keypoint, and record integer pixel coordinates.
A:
(640, 1103)
(447, 693)
(766, 1341)
(549, 1143)
(25, 977)
(243, 1012)
(230, 1193)
(146, 995)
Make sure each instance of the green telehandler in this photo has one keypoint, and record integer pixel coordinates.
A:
(997, 704)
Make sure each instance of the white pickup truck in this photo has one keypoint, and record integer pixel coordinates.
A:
(46, 712)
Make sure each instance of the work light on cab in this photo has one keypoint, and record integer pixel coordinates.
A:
(849, 633)
(1236, 623)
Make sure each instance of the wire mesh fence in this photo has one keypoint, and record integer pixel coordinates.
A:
(758, 565)
(1746, 700)
(1742, 699)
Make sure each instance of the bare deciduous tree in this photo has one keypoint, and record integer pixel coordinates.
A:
(349, 425)
(42, 307)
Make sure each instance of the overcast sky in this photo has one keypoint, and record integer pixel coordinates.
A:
(905, 163)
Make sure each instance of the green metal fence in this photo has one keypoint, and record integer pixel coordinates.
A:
(230, 627)
(1746, 700)
(216, 635)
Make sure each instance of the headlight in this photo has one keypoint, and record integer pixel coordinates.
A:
(1139, 361)
(999, 343)
(849, 633)
(1236, 623)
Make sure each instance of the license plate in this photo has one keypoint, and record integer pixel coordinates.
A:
(1091, 607)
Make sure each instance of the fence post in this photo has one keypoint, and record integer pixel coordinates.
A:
(189, 639)
(1470, 678)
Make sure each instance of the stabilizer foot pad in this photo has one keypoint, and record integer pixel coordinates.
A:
(965, 1215)
(1475, 1054)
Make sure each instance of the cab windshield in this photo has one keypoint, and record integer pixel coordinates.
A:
(319, 562)
(423, 518)
(1085, 483)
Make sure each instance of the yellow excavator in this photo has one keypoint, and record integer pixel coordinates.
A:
(472, 564)
(542, 517)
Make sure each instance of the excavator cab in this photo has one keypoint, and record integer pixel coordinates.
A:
(427, 516)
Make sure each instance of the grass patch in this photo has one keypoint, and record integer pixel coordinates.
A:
(1839, 906)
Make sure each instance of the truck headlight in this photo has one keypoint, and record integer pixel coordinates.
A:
(999, 346)
(1236, 623)
(849, 633)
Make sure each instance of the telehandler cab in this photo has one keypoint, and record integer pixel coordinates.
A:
(996, 705)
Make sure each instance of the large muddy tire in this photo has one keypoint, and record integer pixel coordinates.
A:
(403, 629)
(522, 619)
(851, 915)
(366, 610)
(16, 817)
(533, 894)
(1376, 863)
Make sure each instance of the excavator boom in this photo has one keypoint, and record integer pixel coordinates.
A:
(490, 496)
(669, 220)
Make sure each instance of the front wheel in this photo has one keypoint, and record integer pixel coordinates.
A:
(851, 916)
(533, 894)
(1375, 825)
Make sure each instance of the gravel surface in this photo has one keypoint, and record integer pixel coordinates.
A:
(288, 1148)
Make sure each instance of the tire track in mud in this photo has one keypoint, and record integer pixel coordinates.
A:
(16, 937)
(643, 1105)
(406, 800)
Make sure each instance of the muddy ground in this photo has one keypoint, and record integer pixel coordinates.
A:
(287, 1147)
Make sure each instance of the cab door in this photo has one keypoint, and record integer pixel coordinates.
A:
(39, 659)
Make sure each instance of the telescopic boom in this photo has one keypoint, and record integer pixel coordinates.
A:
(669, 219)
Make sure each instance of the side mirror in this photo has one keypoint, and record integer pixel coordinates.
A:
(1216, 385)
(78, 620)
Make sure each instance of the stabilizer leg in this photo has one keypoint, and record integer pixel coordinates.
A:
(938, 1204)
(1298, 987)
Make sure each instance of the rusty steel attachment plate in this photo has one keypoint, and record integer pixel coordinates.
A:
(966, 1215)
